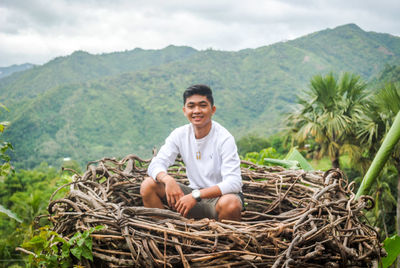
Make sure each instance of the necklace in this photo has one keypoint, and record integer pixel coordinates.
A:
(199, 143)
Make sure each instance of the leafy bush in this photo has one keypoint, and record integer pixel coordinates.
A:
(52, 250)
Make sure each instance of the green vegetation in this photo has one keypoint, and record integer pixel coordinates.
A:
(370, 124)
(380, 117)
(259, 157)
(253, 142)
(5, 166)
(87, 106)
(52, 250)
(392, 246)
(328, 113)
(385, 151)
(26, 193)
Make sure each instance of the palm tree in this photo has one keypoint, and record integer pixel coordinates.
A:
(327, 112)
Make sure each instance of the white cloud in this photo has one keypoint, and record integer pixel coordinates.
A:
(39, 30)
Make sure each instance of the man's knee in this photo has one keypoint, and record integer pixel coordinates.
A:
(147, 187)
(229, 204)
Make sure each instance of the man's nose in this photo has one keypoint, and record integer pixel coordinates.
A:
(196, 109)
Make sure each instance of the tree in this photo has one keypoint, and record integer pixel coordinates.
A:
(327, 112)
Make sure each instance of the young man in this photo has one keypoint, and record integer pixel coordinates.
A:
(212, 165)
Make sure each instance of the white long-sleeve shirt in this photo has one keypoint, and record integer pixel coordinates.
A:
(212, 160)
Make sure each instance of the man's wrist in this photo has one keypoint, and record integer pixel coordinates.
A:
(196, 195)
(164, 178)
(161, 176)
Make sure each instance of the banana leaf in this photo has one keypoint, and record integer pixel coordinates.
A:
(293, 160)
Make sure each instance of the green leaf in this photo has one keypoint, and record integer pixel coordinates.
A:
(88, 243)
(75, 237)
(80, 242)
(34, 242)
(87, 253)
(99, 227)
(43, 263)
(66, 263)
(37, 240)
(52, 233)
(77, 252)
(290, 164)
(10, 214)
(85, 234)
(392, 247)
(58, 238)
(54, 248)
(296, 156)
(53, 259)
(65, 250)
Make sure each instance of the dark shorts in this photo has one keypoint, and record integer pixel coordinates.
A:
(206, 207)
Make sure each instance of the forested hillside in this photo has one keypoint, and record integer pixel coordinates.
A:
(89, 106)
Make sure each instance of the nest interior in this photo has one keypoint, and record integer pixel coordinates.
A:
(293, 218)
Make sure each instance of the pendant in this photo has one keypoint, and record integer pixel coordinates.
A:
(198, 155)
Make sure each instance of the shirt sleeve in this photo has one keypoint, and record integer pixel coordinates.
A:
(230, 168)
(165, 157)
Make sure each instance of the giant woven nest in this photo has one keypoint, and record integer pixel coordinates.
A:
(292, 219)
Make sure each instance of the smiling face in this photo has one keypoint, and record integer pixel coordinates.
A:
(199, 111)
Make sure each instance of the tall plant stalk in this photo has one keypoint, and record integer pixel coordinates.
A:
(384, 152)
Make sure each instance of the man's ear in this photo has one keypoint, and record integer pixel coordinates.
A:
(213, 109)
(184, 110)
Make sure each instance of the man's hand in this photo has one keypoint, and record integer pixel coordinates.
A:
(172, 191)
(185, 204)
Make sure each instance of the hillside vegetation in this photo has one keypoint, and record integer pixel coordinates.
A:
(88, 106)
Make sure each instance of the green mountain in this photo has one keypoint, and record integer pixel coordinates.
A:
(87, 106)
(81, 66)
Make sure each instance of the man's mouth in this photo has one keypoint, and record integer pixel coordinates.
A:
(197, 117)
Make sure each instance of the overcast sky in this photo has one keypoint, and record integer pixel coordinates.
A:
(36, 31)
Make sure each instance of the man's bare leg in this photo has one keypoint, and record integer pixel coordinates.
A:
(229, 208)
(152, 192)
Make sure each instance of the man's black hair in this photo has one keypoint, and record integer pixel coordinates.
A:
(202, 90)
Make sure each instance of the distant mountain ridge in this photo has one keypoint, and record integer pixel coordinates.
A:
(6, 71)
(88, 106)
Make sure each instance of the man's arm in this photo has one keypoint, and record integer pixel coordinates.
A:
(172, 190)
(165, 157)
(159, 165)
(230, 168)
